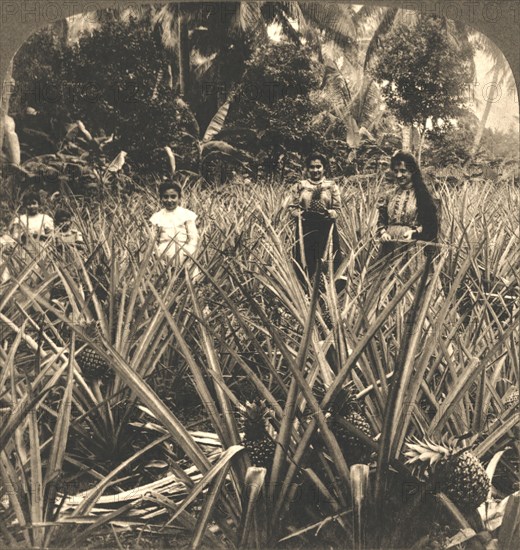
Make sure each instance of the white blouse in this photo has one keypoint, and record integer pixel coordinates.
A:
(36, 226)
(177, 231)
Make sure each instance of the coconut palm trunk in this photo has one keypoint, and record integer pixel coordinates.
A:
(183, 54)
(406, 135)
(4, 100)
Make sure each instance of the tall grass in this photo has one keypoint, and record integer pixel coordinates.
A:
(428, 353)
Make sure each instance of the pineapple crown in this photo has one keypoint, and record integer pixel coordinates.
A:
(256, 410)
(255, 414)
(432, 452)
(91, 327)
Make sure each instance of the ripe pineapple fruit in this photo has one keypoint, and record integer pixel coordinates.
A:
(453, 469)
(346, 408)
(257, 441)
(316, 205)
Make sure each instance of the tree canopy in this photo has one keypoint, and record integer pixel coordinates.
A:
(424, 73)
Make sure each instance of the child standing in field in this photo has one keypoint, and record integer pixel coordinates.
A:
(33, 223)
(176, 233)
(32, 229)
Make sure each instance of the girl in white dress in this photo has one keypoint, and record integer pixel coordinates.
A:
(33, 223)
(176, 232)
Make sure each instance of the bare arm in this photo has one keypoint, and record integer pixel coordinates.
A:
(48, 225)
(16, 229)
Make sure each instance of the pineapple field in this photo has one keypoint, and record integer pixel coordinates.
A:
(142, 407)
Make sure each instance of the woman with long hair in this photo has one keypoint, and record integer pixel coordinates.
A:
(408, 213)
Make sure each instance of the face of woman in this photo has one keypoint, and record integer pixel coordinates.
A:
(316, 170)
(170, 199)
(403, 176)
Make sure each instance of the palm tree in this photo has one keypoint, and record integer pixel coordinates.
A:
(348, 83)
(210, 42)
(209, 29)
(501, 77)
(6, 121)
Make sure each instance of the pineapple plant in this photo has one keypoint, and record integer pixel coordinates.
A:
(451, 468)
(258, 443)
(346, 408)
(163, 383)
(325, 310)
(48, 410)
(93, 366)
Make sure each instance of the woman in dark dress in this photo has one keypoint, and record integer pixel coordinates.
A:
(408, 213)
(315, 206)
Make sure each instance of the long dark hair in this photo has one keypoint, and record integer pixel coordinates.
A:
(426, 208)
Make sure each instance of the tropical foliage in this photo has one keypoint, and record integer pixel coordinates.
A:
(333, 101)
(424, 74)
(143, 403)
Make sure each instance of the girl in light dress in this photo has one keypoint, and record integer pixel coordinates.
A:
(176, 232)
(33, 224)
(33, 229)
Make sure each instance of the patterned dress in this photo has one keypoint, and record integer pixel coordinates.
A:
(398, 215)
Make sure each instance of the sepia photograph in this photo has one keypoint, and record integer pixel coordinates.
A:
(259, 275)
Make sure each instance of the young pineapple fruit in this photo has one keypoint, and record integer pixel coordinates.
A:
(92, 365)
(325, 312)
(346, 407)
(316, 205)
(257, 441)
(452, 469)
